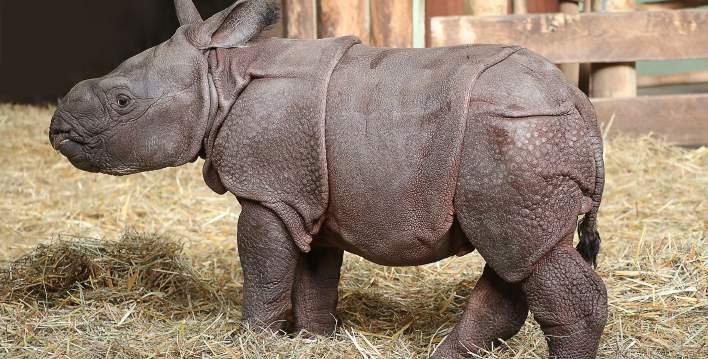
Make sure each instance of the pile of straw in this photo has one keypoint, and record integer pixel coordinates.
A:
(134, 268)
(177, 293)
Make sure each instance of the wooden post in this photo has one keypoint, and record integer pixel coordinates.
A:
(338, 18)
(613, 79)
(541, 6)
(571, 71)
(441, 8)
(300, 19)
(464, 7)
(419, 23)
(520, 7)
(392, 23)
(486, 7)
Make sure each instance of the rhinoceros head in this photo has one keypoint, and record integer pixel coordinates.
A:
(153, 110)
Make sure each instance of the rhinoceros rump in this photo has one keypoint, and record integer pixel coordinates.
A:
(401, 156)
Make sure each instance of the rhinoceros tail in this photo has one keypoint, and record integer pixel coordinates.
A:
(589, 245)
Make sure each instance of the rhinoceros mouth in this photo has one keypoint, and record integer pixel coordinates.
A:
(73, 150)
(63, 137)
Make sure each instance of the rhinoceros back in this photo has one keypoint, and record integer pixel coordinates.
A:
(395, 121)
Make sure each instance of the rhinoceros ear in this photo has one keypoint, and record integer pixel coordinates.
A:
(236, 25)
(187, 13)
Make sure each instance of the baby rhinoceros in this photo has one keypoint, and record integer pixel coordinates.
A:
(401, 156)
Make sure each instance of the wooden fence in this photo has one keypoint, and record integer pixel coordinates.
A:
(377, 22)
(595, 42)
(612, 41)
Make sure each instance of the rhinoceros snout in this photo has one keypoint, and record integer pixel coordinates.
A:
(58, 131)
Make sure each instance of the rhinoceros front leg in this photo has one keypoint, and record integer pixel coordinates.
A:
(315, 290)
(268, 258)
(495, 310)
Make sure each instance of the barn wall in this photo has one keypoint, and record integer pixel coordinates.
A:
(48, 46)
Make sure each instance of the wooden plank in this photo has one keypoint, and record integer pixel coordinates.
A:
(613, 5)
(392, 23)
(685, 78)
(542, 6)
(486, 7)
(444, 8)
(681, 119)
(671, 5)
(587, 37)
(519, 7)
(339, 18)
(300, 19)
(441, 8)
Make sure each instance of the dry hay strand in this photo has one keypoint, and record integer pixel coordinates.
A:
(139, 268)
(654, 261)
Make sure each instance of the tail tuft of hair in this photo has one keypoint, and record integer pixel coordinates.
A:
(589, 245)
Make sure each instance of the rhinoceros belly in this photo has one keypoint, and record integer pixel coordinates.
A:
(394, 126)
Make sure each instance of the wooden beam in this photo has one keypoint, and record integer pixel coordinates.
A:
(300, 19)
(519, 7)
(441, 8)
(392, 23)
(340, 18)
(684, 78)
(444, 8)
(486, 7)
(671, 5)
(542, 6)
(613, 5)
(681, 119)
(593, 37)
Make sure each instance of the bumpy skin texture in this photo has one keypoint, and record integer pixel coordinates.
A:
(402, 156)
(528, 165)
(262, 238)
(413, 156)
(395, 122)
(315, 290)
(270, 146)
(495, 310)
(569, 301)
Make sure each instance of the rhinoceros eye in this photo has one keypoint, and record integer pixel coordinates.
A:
(123, 100)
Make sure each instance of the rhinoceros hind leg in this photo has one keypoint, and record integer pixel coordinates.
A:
(569, 301)
(268, 258)
(315, 290)
(495, 310)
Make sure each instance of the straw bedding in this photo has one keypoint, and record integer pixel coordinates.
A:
(145, 265)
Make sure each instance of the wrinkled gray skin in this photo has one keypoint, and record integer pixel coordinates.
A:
(402, 156)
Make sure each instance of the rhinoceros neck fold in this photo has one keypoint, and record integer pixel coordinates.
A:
(209, 134)
(214, 121)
